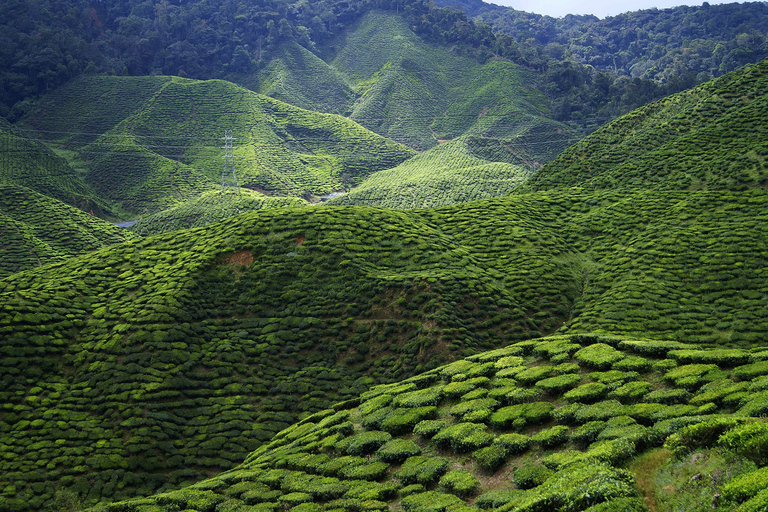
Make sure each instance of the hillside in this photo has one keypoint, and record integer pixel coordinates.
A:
(713, 136)
(458, 171)
(417, 93)
(561, 423)
(36, 230)
(26, 162)
(204, 343)
(208, 208)
(171, 142)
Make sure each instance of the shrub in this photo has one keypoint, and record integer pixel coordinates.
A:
(619, 505)
(460, 482)
(397, 450)
(374, 404)
(750, 371)
(586, 393)
(371, 471)
(496, 499)
(419, 398)
(456, 389)
(422, 470)
(364, 443)
(491, 458)
(717, 390)
(720, 357)
(534, 374)
(653, 348)
(556, 385)
(633, 364)
(551, 437)
(332, 467)
(668, 396)
(599, 355)
(690, 376)
(699, 435)
(430, 501)
(513, 442)
(664, 365)
(599, 411)
(474, 405)
(402, 420)
(411, 489)
(554, 348)
(521, 395)
(756, 405)
(567, 413)
(612, 451)
(631, 391)
(749, 440)
(295, 498)
(508, 362)
(746, 486)
(531, 475)
(530, 413)
(428, 428)
(587, 433)
(464, 437)
(560, 459)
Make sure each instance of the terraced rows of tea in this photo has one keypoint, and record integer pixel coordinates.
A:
(547, 424)
(210, 207)
(447, 174)
(417, 93)
(36, 230)
(165, 360)
(713, 136)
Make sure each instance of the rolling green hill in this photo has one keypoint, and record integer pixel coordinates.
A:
(25, 162)
(560, 423)
(458, 171)
(193, 348)
(417, 93)
(36, 230)
(210, 207)
(713, 136)
(167, 148)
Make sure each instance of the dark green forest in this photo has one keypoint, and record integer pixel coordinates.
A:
(592, 70)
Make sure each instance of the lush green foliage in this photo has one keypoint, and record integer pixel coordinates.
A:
(37, 229)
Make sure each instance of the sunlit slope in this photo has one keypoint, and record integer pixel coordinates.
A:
(559, 423)
(714, 136)
(37, 229)
(458, 171)
(88, 106)
(167, 360)
(417, 93)
(210, 207)
(29, 163)
(178, 138)
(299, 77)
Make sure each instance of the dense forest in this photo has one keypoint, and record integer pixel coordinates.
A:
(591, 69)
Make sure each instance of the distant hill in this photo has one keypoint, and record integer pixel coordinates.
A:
(37, 230)
(713, 136)
(458, 171)
(150, 154)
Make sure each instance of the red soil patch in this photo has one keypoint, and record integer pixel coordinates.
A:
(243, 258)
(299, 239)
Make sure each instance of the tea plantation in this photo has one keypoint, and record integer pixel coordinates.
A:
(569, 422)
(547, 350)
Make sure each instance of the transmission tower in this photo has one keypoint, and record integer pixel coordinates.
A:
(228, 176)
